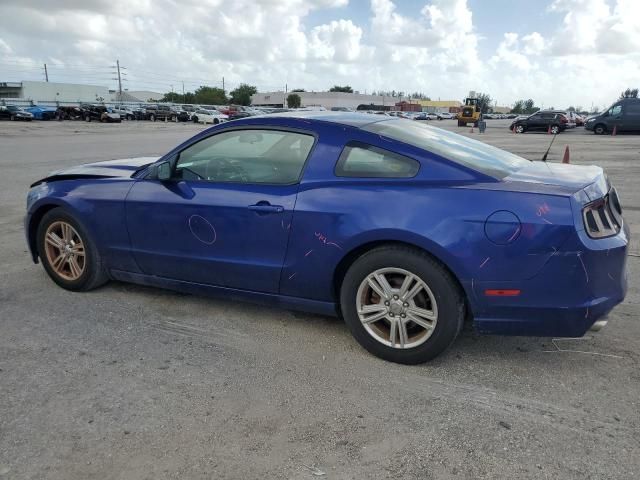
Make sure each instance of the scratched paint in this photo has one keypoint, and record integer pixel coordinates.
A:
(292, 275)
(543, 209)
(285, 226)
(308, 253)
(325, 241)
(485, 262)
(202, 229)
(583, 267)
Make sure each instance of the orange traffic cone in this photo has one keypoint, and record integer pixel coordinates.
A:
(615, 130)
(565, 157)
(549, 130)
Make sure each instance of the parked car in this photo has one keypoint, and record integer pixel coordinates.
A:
(545, 121)
(209, 116)
(69, 113)
(99, 113)
(426, 116)
(12, 112)
(288, 210)
(445, 116)
(570, 116)
(181, 115)
(624, 116)
(129, 113)
(159, 112)
(40, 112)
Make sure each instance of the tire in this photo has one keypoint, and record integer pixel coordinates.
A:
(13, 118)
(152, 117)
(600, 129)
(173, 118)
(92, 273)
(129, 117)
(520, 129)
(87, 118)
(195, 119)
(442, 294)
(461, 123)
(555, 129)
(216, 121)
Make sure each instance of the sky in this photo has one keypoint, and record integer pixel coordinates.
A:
(560, 53)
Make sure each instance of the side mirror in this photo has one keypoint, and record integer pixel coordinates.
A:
(163, 171)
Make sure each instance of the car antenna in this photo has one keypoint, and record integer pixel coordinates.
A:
(544, 157)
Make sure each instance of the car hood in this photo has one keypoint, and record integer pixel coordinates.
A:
(570, 178)
(123, 168)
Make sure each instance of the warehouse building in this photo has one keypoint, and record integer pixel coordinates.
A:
(329, 100)
(29, 92)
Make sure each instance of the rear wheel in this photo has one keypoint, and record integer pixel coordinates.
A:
(461, 123)
(401, 305)
(195, 119)
(555, 129)
(600, 129)
(68, 253)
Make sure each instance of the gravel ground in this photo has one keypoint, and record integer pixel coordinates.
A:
(127, 382)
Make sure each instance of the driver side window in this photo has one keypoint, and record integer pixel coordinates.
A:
(617, 110)
(246, 156)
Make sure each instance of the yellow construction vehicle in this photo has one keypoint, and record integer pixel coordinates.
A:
(470, 112)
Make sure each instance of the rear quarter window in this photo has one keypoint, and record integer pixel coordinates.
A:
(366, 161)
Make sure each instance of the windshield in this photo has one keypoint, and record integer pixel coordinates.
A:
(471, 153)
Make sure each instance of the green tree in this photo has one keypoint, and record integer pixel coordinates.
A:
(298, 90)
(518, 107)
(484, 102)
(629, 93)
(338, 88)
(209, 96)
(172, 97)
(294, 100)
(242, 94)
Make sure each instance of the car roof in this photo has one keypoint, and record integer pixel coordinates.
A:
(340, 118)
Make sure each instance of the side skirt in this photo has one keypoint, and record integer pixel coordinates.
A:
(274, 300)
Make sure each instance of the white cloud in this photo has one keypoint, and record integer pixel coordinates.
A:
(432, 48)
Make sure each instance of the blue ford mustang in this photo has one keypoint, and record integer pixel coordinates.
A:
(401, 228)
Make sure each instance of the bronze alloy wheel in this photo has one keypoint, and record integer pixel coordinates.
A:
(65, 251)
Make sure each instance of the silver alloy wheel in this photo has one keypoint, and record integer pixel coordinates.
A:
(555, 129)
(519, 129)
(397, 308)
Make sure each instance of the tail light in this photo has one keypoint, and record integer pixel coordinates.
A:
(603, 217)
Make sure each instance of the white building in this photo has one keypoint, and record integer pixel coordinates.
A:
(51, 93)
(54, 92)
(327, 100)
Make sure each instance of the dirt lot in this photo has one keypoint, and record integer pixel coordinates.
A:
(128, 382)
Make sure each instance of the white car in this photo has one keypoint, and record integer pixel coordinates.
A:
(209, 116)
(445, 116)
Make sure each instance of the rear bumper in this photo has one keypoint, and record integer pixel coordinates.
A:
(578, 286)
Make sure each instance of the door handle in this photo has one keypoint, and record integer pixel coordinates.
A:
(266, 207)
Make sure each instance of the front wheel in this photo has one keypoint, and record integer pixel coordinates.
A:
(401, 305)
(600, 129)
(520, 129)
(68, 253)
(555, 129)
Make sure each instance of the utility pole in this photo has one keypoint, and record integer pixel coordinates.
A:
(284, 98)
(119, 81)
(46, 74)
(183, 97)
(223, 84)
